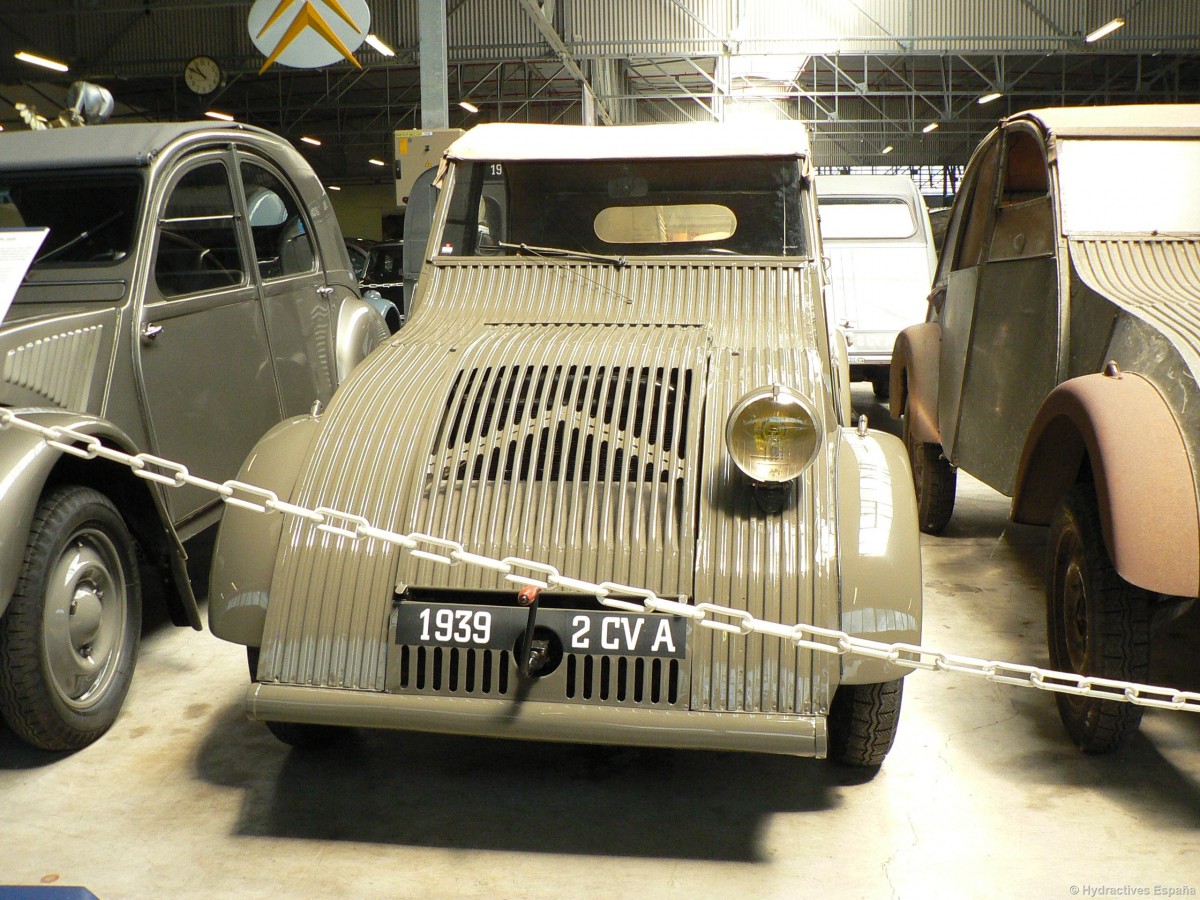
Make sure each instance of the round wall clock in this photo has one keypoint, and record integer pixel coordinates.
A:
(202, 75)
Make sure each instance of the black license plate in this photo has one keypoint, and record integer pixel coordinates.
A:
(580, 631)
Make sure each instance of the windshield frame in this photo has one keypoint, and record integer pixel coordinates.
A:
(46, 264)
(472, 185)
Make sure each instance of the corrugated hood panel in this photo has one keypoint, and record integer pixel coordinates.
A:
(1157, 279)
(453, 429)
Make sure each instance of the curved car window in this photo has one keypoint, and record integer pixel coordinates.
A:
(851, 218)
(556, 204)
(91, 217)
(197, 240)
(687, 223)
(282, 244)
(1130, 186)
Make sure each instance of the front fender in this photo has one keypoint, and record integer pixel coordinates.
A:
(914, 377)
(879, 550)
(248, 542)
(1145, 489)
(27, 462)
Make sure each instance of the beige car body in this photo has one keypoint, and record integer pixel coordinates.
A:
(450, 429)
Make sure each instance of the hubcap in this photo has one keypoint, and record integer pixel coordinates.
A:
(85, 618)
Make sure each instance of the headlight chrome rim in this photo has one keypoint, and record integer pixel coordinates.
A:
(782, 403)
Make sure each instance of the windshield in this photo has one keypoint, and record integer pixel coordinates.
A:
(862, 218)
(1130, 186)
(91, 216)
(627, 208)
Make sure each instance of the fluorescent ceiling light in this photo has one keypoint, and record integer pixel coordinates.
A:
(988, 98)
(311, 140)
(468, 106)
(887, 149)
(224, 117)
(932, 126)
(376, 162)
(1107, 28)
(36, 60)
(380, 45)
(334, 187)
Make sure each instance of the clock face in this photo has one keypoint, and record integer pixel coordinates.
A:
(202, 75)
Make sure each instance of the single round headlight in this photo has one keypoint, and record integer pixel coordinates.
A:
(772, 434)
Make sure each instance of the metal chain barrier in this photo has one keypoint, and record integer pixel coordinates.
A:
(520, 571)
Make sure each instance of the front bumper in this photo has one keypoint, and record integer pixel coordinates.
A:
(531, 720)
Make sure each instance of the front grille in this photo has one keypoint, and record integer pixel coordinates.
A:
(565, 423)
(579, 678)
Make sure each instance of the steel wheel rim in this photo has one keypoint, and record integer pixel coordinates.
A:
(1073, 617)
(84, 620)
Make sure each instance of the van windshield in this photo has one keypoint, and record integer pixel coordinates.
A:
(866, 218)
(1130, 186)
(91, 216)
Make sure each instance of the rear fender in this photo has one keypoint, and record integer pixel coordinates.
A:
(1123, 430)
(28, 465)
(360, 329)
(248, 541)
(879, 550)
(914, 377)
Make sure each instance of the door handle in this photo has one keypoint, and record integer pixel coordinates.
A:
(325, 291)
(150, 332)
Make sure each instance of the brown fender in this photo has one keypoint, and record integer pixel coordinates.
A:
(1144, 486)
(914, 377)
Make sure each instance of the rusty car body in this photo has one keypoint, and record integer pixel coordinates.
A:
(1059, 365)
(618, 363)
(192, 290)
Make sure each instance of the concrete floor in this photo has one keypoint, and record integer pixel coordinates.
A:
(982, 795)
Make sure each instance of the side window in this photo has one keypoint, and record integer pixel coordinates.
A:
(197, 236)
(282, 243)
(978, 213)
(1024, 219)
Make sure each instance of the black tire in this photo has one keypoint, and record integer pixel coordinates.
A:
(862, 722)
(1096, 623)
(881, 384)
(300, 735)
(934, 478)
(69, 638)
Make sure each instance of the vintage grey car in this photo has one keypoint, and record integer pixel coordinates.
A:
(618, 364)
(1059, 365)
(192, 290)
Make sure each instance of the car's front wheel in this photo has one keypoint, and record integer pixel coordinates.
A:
(69, 638)
(862, 722)
(1096, 623)
(934, 478)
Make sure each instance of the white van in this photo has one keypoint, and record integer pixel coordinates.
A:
(877, 236)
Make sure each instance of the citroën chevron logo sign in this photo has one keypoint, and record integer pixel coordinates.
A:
(308, 34)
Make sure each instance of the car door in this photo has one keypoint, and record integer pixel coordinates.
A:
(1012, 354)
(205, 362)
(957, 282)
(296, 299)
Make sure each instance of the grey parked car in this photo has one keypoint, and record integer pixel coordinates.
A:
(193, 289)
(618, 364)
(1059, 365)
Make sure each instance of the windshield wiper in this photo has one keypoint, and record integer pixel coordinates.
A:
(619, 261)
(82, 236)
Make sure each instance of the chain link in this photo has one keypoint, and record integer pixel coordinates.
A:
(725, 619)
